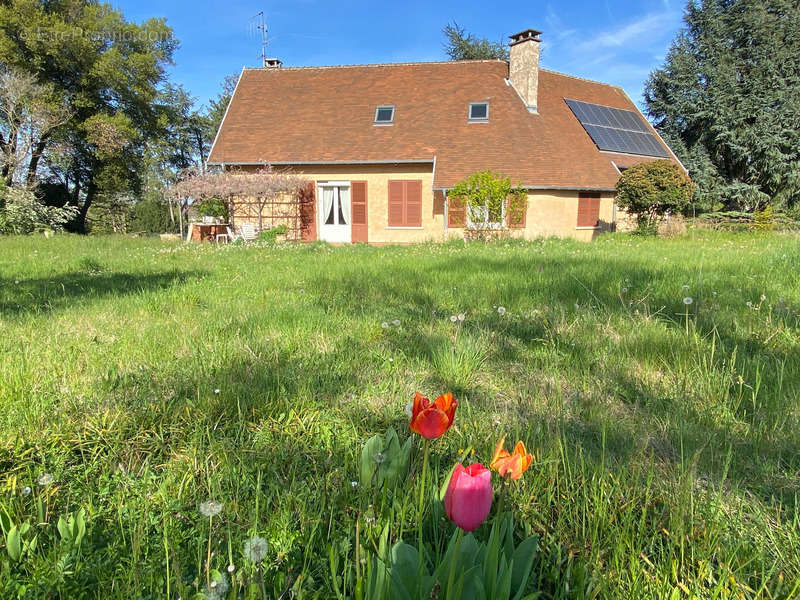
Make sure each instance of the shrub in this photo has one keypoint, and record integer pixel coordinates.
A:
(488, 197)
(270, 235)
(764, 219)
(651, 190)
(24, 214)
(152, 216)
(212, 207)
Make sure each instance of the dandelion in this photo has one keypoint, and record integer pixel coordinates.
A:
(409, 409)
(385, 325)
(210, 508)
(527, 315)
(256, 548)
(216, 391)
(26, 490)
(685, 288)
(461, 317)
(453, 318)
(45, 479)
(380, 458)
(501, 310)
(302, 291)
(231, 568)
(624, 290)
(354, 484)
(688, 300)
(396, 322)
(763, 297)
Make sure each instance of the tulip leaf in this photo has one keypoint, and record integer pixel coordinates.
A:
(371, 449)
(404, 570)
(522, 564)
(14, 544)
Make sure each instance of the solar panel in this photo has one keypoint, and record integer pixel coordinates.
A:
(617, 130)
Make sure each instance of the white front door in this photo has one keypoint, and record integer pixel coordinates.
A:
(334, 212)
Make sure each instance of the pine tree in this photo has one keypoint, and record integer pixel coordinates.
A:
(728, 99)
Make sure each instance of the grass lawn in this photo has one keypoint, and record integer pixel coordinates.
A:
(148, 377)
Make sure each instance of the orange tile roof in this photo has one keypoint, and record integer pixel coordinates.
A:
(325, 115)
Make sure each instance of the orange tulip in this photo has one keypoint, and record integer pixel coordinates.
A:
(513, 465)
(432, 420)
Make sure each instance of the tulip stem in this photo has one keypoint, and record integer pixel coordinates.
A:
(423, 476)
(453, 564)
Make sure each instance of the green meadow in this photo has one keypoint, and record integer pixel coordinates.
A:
(656, 382)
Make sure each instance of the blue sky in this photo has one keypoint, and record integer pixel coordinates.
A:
(615, 41)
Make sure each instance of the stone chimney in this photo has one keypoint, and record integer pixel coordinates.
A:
(272, 63)
(523, 68)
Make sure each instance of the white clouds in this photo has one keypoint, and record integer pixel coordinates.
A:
(640, 30)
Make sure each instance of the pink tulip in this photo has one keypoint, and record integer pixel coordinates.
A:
(469, 496)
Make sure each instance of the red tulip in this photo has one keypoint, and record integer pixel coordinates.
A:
(469, 496)
(513, 465)
(432, 420)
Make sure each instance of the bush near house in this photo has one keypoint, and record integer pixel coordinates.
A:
(652, 189)
(140, 380)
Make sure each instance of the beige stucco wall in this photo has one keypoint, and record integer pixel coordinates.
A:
(555, 213)
(377, 178)
(549, 213)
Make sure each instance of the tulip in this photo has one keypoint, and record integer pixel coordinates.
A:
(469, 496)
(432, 420)
(513, 465)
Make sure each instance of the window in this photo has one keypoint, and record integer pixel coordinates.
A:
(405, 203)
(478, 112)
(588, 209)
(485, 217)
(384, 115)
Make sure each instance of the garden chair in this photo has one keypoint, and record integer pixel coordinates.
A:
(247, 232)
(229, 235)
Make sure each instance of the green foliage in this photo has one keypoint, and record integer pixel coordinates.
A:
(271, 235)
(384, 461)
(212, 207)
(488, 196)
(729, 90)
(497, 569)
(72, 528)
(764, 220)
(24, 214)
(459, 45)
(652, 189)
(152, 216)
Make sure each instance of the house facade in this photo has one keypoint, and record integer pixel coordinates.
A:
(382, 146)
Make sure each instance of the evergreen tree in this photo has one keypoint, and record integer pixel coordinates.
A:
(728, 100)
(460, 45)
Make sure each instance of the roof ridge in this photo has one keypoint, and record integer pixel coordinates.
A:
(370, 65)
(587, 80)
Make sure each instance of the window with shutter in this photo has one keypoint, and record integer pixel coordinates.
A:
(456, 212)
(588, 209)
(358, 211)
(405, 203)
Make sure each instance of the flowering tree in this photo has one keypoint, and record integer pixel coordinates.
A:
(262, 186)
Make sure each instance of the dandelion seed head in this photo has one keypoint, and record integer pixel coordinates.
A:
(231, 568)
(210, 508)
(396, 322)
(216, 391)
(385, 325)
(409, 409)
(685, 287)
(501, 310)
(26, 490)
(688, 300)
(624, 290)
(453, 318)
(256, 548)
(45, 479)
(763, 297)
(354, 484)
(461, 316)
(380, 457)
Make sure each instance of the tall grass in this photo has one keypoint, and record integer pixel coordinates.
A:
(148, 377)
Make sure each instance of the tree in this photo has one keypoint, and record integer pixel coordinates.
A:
(728, 99)
(109, 71)
(218, 106)
(460, 45)
(652, 189)
(29, 115)
(489, 199)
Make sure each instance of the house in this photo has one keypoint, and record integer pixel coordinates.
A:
(385, 143)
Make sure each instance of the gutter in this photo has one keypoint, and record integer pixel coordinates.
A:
(262, 163)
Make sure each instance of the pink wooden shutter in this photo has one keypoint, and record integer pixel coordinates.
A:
(358, 210)
(414, 203)
(396, 203)
(588, 209)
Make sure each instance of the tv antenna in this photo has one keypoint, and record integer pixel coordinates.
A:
(259, 24)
